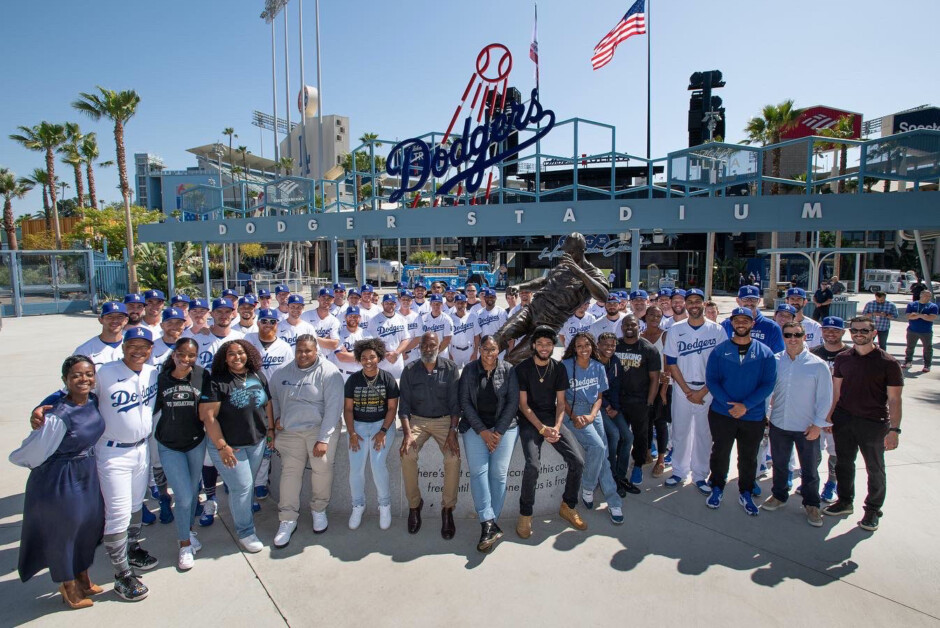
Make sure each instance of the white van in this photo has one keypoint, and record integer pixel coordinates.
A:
(888, 281)
(383, 271)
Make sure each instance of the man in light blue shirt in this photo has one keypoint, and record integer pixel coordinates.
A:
(801, 401)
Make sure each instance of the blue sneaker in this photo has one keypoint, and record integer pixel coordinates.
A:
(757, 490)
(704, 487)
(714, 499)
(828, 493)
(261, 492)
(209, 508)
(147, 517)
(668, 458)
(255, 506)
(790, 480)
(616, 515)
(637, 476)
(748, 504)
(154, 492)
(761, 472)
(673, 481)
(166, 513)
(799, 490)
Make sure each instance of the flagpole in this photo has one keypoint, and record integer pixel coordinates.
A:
(648, 75)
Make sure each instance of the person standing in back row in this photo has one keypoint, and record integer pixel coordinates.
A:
(882, 311)
(822, 299)
(921, 315)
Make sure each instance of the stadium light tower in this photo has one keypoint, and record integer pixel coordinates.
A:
(271, 9)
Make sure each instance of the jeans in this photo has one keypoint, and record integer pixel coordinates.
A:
(883, 339)
(619, 443)
(376, 459)
(926, 340)
(727, 431)
(489, 471)
(854, 435)
(183, 471)
(782, 443)
(570, 451)
(639, 416)
(241, 484)
(661, 420)
(593, 439)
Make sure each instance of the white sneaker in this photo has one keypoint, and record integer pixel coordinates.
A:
(355, 517)
(194, 542)
(385, 517)
(284, 532)
(187, 558)
(320, 522)
(252, 544)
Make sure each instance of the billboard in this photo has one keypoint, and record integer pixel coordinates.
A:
(928, 118)
(814, 119)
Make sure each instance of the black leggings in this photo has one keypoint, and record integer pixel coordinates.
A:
(210, 477)
(663, 417)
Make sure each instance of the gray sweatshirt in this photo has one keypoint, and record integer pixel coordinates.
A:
(308, 398)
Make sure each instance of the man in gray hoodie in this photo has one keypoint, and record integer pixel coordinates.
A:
(308, 401)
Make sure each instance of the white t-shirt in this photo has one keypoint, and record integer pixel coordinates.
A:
(347, 341)
(575, 325)
(813, 331)
(100, 352)
(690, 347)
(277, 354)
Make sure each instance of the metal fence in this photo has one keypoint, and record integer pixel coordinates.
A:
(46, 282)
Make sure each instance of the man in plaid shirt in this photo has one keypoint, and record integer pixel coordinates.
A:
(881, 311)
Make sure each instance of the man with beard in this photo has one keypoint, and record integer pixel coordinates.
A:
(367, 308)
(389, 327)
(135, 310)
(324, 324)
(833, 330)
(740, 374)
(429, 408)
(677, 301)
(106, 346)
(274, 351)
(464, 344)
(639, 302)
(294, 325)
(763, 329)
(664, 301)
(796, 298)
(438, 322)
(349, 335)
(338, 306)
(246, 323)
(220, 332)
(579, 321)
(489, 318)
(611, 321)
(405, 299)
(420, 305)
(153, 308)
(449, 293)
(282, 295)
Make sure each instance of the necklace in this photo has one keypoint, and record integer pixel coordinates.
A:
(542, 375)
(370, 384)
(241, 379)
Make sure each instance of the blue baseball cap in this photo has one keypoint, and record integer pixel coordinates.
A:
(664, 292)
(639, 294)
(173, 314)
(133, 298)
(450, 288)
(324, 292)
(366, 287)
(352, 310)
(199, 303)
(694, 292)
(406, 294)
(613, 298)
(748, 292)
(267, 314)
(228, 292)
(353, 291)
(222, 302)
(488, 292)
(113, 307)
(796, 292)
(138, 333)
(783, 307)
(833, 322)
(295, 298)
(264, 294)
(180, 298)
(742, 311)
(279, 288)
(339, 287)
(436, 298)
(390, 297)
(460, 298)
(247, 300)
(679, 292)
(154, 294)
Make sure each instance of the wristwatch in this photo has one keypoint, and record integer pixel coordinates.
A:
(895, 429)
(383, 429)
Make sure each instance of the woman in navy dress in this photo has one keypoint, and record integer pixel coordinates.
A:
(63, 512)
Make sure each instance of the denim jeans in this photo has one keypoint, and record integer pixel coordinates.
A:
(241, 484)
(376, 459)
(883, 339)
(782, 443)
(183, 471)
(593, 440)
(619, 443)
(488, 471)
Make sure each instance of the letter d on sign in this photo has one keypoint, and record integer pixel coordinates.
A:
(625, 214)
(223, 229)
(281, 226)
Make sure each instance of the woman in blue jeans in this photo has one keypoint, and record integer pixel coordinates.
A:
(236, 409)
(489, 398)
(587, 382)
(181, 438)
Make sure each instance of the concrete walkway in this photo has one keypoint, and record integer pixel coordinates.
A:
(675, 562)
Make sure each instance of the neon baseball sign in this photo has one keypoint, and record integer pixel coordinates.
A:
(414, 161)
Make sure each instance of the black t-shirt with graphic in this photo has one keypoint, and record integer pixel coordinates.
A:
(242, 415)
(370, 398)
(637, 361)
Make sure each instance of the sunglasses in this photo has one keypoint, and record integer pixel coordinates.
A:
(267, 321)
(866, 330)
(791, 334)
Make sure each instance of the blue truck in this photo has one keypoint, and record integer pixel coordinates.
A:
(456, 273)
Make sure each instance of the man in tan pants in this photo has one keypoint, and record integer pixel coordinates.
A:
(307, 395)
(429, 408)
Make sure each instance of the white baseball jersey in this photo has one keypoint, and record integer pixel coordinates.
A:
(689, 348)
(421, 308)
(160, 354)
(443, 325)
(99, 351)
(126, 400)
(476, 307)
(155, 330)
(276, 355)
(414, 330)
(604, 324)
(251, 329)
(324, 327)
(813, 331)
(461, 342)
(281, 314)
(339, 311)
(575, 325)
(448, 308)
(597, 310)
(666, 323)
(366, 314)
(392, 331)
(515, 309)
(489, 321)
(288, 333)
(209, 344)
(347, 341)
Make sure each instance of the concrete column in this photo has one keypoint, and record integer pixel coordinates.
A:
(170, 270)
(634, 259)
(709, 263)
(334, 255)
(205, 271)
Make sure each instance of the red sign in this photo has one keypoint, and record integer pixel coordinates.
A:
(815, 119)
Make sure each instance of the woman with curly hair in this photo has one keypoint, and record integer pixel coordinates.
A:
(236, 409)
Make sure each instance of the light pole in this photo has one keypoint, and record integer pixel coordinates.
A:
(218, 150)
(271, 9)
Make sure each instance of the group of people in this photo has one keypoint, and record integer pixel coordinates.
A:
(166, 399)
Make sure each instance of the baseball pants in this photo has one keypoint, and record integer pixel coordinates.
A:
(123, 474)
(691, 437)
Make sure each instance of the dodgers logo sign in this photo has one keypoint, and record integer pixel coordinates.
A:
(475, 150)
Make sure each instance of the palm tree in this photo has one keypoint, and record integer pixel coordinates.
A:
(843, 130)
(243, 151)
(119, 107)
(72, 156)
(10, 188)
(286, 164)
(89, 151)
(46, 137)
(230, 131)
(41, 177)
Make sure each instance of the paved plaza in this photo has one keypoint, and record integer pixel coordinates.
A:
(675, 562)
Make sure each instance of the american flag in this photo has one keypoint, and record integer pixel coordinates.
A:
(633, 23)
(534, 46)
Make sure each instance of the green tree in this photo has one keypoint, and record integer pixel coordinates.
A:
(89, 151)
(424, 258)
(230, 131)
(41, 178)
(287, 165)
(109, 222)
(45, 137)
(152, 268)
(72, 156)
(119, 107)
(363, 166)
(243, 151)
(11, 188)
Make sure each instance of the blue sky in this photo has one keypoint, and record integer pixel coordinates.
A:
(398, 68)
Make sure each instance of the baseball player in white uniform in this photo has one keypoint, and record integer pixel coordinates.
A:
(325, 325)
(688, 345)
(246, 323)
(391, 329)
(349, 335)
(173, 324)
(797, 298)
(220, 332)
(580, 321)
(405, 300)
(610, 322)
(421, 305)
(367, 309)
(106, 346)
(463, 342)
(154, 300)
(275, 352)
(135, 309)
(438, 322)
(339, 305)
(282, 295)
(292, 326)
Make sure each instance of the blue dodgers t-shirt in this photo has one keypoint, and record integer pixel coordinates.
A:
(584, 385)
(920, 326)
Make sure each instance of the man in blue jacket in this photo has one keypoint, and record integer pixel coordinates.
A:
(764, 329)
(740, 374)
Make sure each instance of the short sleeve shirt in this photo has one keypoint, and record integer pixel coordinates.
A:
(370, 398)
(242, 414)
(865, 381)
(541, 384)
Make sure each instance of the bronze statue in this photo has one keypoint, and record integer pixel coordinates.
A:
(556, 296)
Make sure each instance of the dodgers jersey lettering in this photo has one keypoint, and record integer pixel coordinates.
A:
(489, 321)
(126, 400)
(274, 357)
(208, 346)
(690, 347)
(288, 333)
(575, 325)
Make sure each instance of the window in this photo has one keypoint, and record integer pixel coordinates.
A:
(339, 138)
